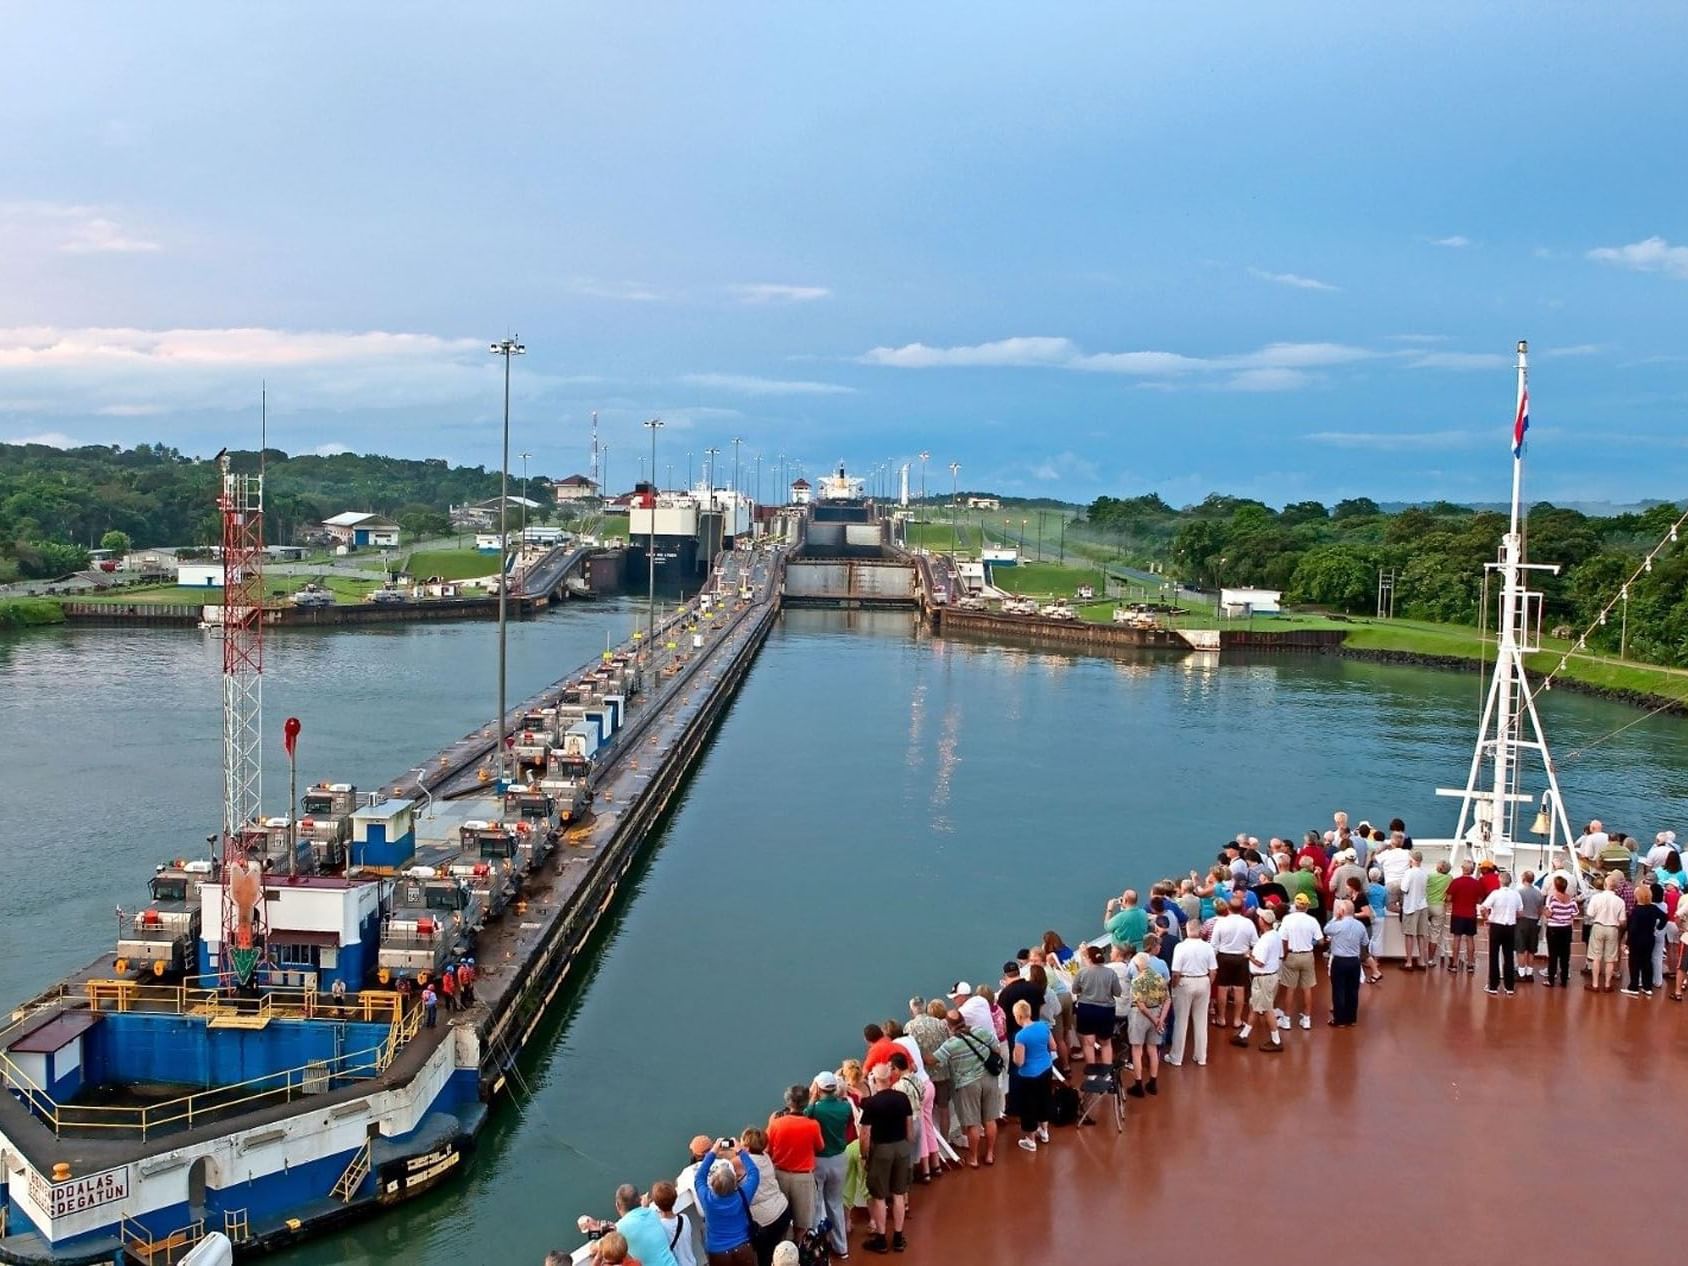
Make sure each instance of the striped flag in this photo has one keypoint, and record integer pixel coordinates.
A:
(1521, 423)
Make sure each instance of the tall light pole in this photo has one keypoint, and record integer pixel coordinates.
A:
(709, 455)
(524, 457)
(923, 456)
(688, 472)
(736, 442)
(670, 479)
(507, 348)
(1040, 536)
(653, 425)
(758, 479)
(955, 499)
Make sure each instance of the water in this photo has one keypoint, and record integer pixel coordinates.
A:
(879, 814)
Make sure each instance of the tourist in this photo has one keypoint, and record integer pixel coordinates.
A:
(1189, 901)
(724, 1198)
(1656, 855)
(1436, 912)
(910, 1048)
(923, 1137)
(1488, 874)
(430, 1005)
(1376, 901)
(1014, 991)
(1300, 932)
(1194, 965)
(1055, 949)
(1057, 997)
(1670, 872)
(887, 1156)
(1125, 922)
(1462, 897)
(770, 1211)
(638, 1225)
(611, 1249)
(1560, 912)
(1264, 961)
(880, 1047)
(1646, 921)
(1096, 991)
(1681, 950)
(1530, 903)
(1343, 867)
(975, 1008)
(1617, 854)
(1604, 915)
(1415, 914)
(928, 1029)
(795, 1140)
(1034, 1061)
(833, 1114)
(1146, 1022)
(974, 1095)
(1394, 861)
(1232, 937)
(1500, 910)
(680, 1228)
(1591, 841)
(1349, 942)
(1666, 928)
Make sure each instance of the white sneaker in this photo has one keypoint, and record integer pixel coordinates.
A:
(1283, 1022)
(1043, 1134)
(1028, 1145)
(1173, 1063)
(1306, 1022)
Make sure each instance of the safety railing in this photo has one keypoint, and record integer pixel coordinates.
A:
(139, 1243)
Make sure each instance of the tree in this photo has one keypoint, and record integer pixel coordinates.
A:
(1298, 512)
(1356, 508)
(1339, 576)
(115, 541)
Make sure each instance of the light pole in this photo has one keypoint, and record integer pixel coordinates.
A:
(955, 528)
(653, 425)
(923, 456)
(506, 348)
(670, 478)
(736, 442)
(1040, 536)
(1064, 540)
(709, 455)
(758, 479)
(524, 457)
(688, 472)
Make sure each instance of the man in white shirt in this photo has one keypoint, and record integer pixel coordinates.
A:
(1393, 861)
(1300, 933)
(1604, 915)
(1664, 843)
(1193, 966)
(974, 1009)
(1500, 910)
(1591, 841)
(1232, 937)
(1415, 913)
(1264, 960)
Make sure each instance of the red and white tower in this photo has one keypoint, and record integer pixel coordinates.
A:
(242, 506)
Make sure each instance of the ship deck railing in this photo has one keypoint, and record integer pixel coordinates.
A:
(200, 1107)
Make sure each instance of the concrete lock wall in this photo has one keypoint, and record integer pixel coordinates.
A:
(848, 579)
(826, 533)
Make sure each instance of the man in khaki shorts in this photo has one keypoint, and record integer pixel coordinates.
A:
(1300, 933)
(1605, 913)
(1415, 914)
(1265, 958)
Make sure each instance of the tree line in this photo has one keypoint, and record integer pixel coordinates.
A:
(55, 504)
(1332, 556)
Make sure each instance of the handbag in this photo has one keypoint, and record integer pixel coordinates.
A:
(991, 1057)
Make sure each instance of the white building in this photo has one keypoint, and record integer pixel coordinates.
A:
(801, 493)
(984, 503)
(574, 488)
(1244, 602)
(359, 529)
(199, 575)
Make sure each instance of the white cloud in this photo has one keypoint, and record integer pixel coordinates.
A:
(126, 372)
(775, 292)
(1026, 350)
(624, 291)
(330, 449)
(52, 439)
(1459, 360)
(1576, 349)
(1650, 255)
(1291, 279)
(750, 385)
(1065, 467)
(71, 229)
(1268, 380)
(1149, 364)
(1393, 441)
(1455, 241)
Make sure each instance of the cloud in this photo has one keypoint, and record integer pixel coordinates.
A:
(1022, 351)
(1576, 349)
(1291, 279)
(750, 385)
(330, 449)
(52, 439)
(1650, 255)
(126, 372)
(1268, 380)
(1065, 467)
(624, 291)
(1393, 441)
(1418, 338)
(1455, 241)
(756, 292)
(71, 229)
(1459, 360)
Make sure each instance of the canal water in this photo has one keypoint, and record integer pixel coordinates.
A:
(880, 813)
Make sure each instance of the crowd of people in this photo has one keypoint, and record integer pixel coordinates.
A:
(1235, 950)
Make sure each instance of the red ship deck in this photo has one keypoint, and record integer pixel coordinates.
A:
(1448, 1127)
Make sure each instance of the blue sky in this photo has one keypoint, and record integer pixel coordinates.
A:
(1279, 250)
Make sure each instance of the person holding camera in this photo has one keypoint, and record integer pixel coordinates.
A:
(725, 1184)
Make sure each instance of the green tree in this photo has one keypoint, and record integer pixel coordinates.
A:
(1340, 576)
(1356, 508)
(115, 541)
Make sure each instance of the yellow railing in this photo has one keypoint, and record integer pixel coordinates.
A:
(138, 1242)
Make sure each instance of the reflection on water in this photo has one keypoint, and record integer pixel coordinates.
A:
(881, 813)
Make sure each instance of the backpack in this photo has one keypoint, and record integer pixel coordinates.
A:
(1063, 1106)
(812, 1249)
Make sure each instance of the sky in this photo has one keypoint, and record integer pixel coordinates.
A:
(1281, 251)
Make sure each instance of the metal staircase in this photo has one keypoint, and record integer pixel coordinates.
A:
(356, 1171)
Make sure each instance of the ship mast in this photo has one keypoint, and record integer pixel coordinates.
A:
(241, 505)
(1511, 725)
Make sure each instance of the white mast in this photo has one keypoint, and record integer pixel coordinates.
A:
(593, 473)
(1486, 814)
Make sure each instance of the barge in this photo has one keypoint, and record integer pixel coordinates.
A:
(275, 1073)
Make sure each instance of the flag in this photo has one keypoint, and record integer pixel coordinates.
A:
(1521, 423)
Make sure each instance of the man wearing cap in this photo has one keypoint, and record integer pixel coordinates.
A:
(1300, 933)
(828, 1109)
(1264, 960)
(974, 1009)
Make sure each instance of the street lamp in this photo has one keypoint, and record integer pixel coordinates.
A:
(524, 457)
(955, 529)
(923, 456)
(709, 455)
(1040, 536)
(653, 425)
(506, 348)
(736, 442)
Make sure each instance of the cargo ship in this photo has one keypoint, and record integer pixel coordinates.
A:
(311, 1024)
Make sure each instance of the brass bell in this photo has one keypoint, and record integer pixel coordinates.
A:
(1540, 826)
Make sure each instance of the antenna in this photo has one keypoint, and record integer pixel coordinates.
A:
(593, 473)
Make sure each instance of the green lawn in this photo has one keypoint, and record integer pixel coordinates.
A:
(452, 564)
(1046, 579)
(940, 537)
(17, 613)
(276, 588)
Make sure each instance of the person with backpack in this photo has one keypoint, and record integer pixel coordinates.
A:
(680, 1228)
(971, 1059)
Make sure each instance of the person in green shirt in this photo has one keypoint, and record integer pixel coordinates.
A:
(1125, 922)
(828, 1106)
(1301, 880)
(1436, 893)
